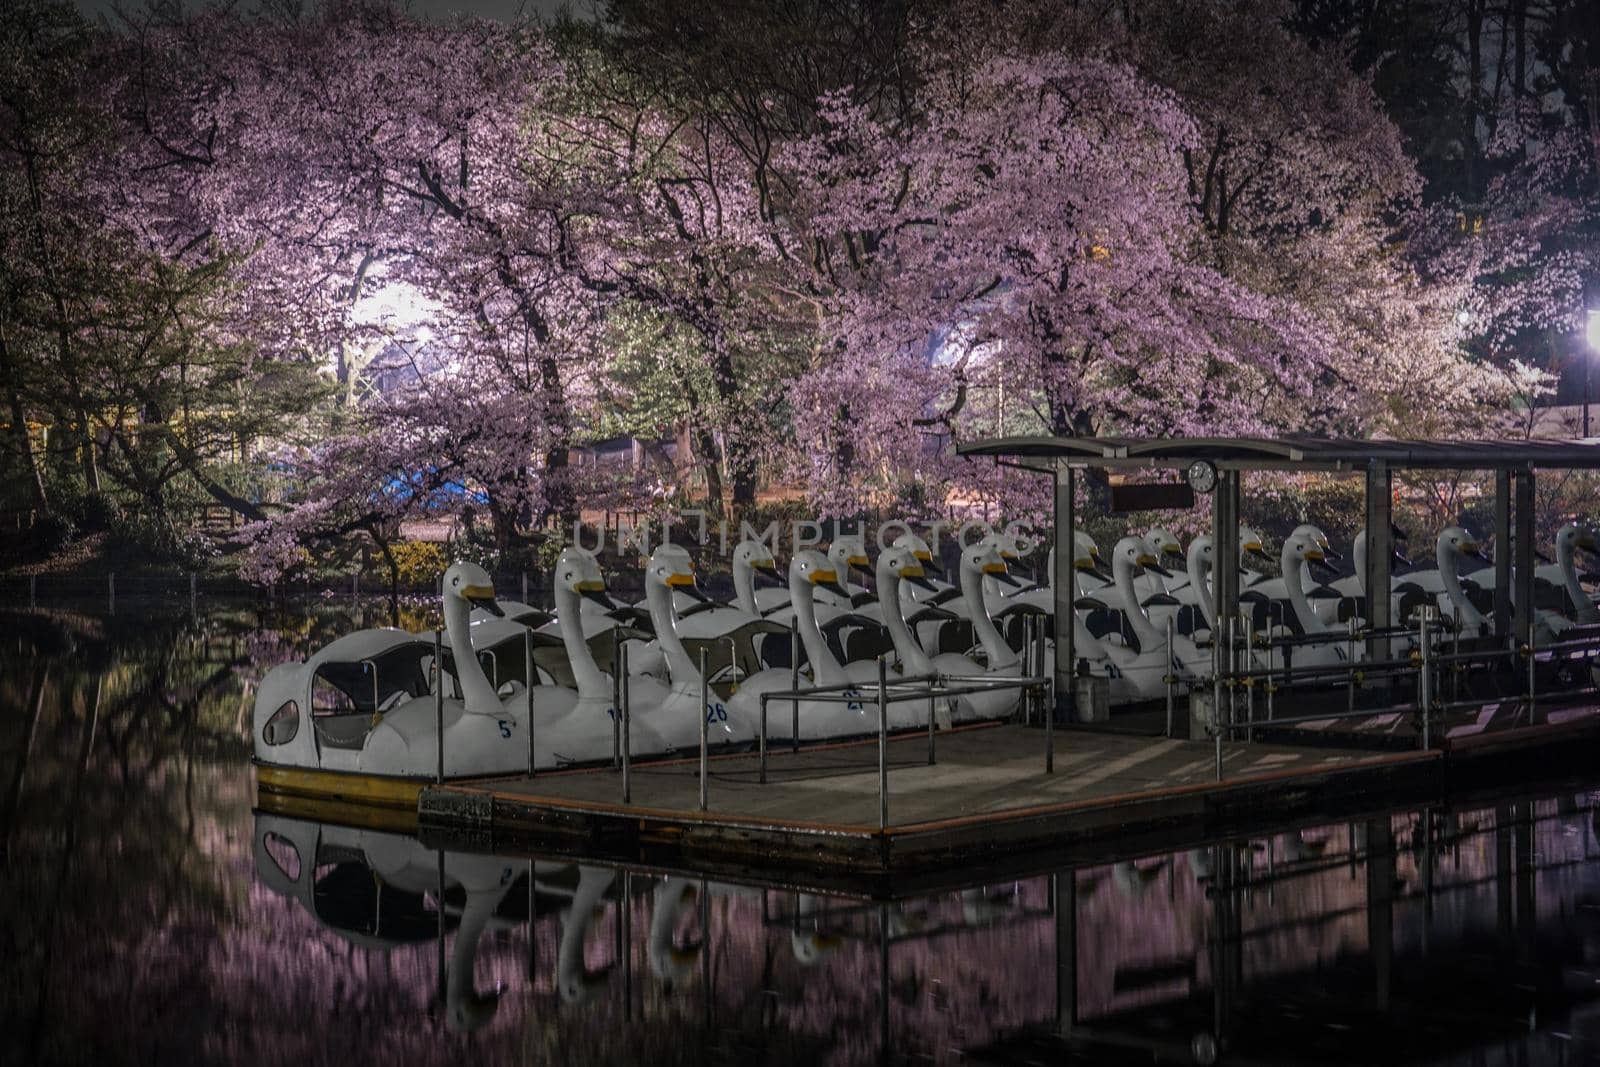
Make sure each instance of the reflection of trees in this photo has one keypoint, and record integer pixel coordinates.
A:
(124, 756)
(135, 930)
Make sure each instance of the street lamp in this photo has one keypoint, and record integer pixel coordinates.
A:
(1592, 335)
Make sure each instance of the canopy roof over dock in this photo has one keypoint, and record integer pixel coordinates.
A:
(1292, 452)
(1512, 462)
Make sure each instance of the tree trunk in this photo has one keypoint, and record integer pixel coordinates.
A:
(394, 573)
(1469, 141)
(19, 426)
(710, 456)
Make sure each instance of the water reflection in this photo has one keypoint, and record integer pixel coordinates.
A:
(153, 915)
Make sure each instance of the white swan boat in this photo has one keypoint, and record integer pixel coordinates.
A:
(359, 720)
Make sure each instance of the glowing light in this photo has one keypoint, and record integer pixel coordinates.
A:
(397, 308)
(1593, 330)
(1464, 317)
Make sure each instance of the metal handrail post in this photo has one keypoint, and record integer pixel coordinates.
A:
(618, 685)
(794, 681)
(1171, 676)
(733, 661)
(1455, 667)
(1027, 667)
(1245, 667)
(1050, 733)
(1046, 696)
(527, 679)
(1350, 665)
(1219, 641)
(1532, 659)
(705, 699)
(883, 745)
(762, 740)
(438, 708)
(627, 741)
(1425, 683)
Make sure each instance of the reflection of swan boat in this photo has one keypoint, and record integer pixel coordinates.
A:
(381, 891)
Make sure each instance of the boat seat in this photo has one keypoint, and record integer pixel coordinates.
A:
(342, 731)
(868, 643)
(956, 636)
(774, 650)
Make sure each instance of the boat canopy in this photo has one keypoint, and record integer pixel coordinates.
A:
(1293, 452)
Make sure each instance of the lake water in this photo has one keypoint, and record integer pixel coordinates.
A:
(152, 916)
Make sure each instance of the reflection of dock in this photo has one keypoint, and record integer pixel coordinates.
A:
(988, 794)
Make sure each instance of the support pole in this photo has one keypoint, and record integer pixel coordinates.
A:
(618, 684)
(1065, 578)
(1171, 677)
(1225, 593)
(438, 716)
(527, 680)
(1522, 597)
(1425, 678)
(625, 714)
(883, 745)
(1379, 578)
(1522, 537)
(705, 699)
(762, 740)
(1502, 555)
(794, 682)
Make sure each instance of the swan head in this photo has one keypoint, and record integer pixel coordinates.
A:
(849, 553)
(1570, 539)
(1306, 544)
(670, 568)
(578, 571)
(1133, 555)
(900, 565)
(1085, 553)
(816, 570)
(1456, 544)
(918, 549)
(471, 1011)
(1251, 547)
(470, 584)
(755, 555)
(1005, 545)
(984, 560)
(1162, 543)
(581, 985)
(1315, 533)
(811, 946)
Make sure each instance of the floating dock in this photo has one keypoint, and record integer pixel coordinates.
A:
(988, 794)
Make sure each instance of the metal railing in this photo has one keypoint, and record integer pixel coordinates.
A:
(1423, 662)
(929, 687)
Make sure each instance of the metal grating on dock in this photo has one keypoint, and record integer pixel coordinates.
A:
(987, 792)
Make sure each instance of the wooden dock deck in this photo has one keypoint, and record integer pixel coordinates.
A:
(988, 793)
